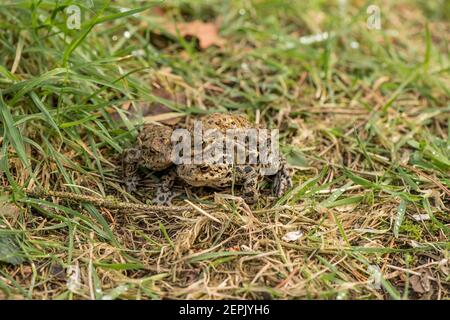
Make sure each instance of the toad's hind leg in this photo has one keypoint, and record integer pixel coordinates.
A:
(130, 162)
(164, 193)
(250, 175)
(283, 179)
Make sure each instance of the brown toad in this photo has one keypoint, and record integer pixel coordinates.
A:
(155, 146)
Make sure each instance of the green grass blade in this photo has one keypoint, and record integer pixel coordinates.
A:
(13, 133)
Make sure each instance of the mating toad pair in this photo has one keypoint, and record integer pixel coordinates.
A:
(153, 151)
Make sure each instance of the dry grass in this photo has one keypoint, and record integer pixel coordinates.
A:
(366, 128)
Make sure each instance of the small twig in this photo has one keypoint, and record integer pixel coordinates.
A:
(103, 202)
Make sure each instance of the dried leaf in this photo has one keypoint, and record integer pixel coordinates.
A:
(292, 236)
(158, 11)
(9, 250)
(73, 278)
(116, 292)
(9, 210)
(375, 277)
(421, 284)
(421, 217)
(444, 265)
(206, 32)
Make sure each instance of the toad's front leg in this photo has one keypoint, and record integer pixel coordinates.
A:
(283, 179)
(130, 162)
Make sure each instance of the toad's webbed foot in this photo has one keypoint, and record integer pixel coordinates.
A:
(130, 162)
(131, 183)
(164, 193)
(283, 180)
